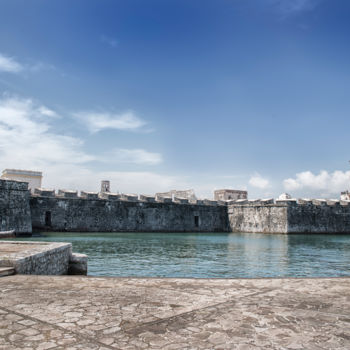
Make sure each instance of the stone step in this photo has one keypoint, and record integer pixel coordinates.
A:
(7, 271)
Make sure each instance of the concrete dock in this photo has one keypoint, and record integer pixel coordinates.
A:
(71, 312)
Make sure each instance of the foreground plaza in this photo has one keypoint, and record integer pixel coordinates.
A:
(66, 312)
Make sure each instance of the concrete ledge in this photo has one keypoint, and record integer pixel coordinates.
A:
(38, 258)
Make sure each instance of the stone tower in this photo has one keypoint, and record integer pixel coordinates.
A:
(105, 186)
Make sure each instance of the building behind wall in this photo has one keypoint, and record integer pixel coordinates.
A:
(226, 195)
(33, 178)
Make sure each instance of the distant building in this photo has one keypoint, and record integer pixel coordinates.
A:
(345, 196)
(226, 195)
(33, 178)
(188, 194)
(285, 196)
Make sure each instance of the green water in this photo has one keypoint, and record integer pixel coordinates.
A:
(210, 255)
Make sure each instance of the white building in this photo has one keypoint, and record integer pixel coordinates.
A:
(33, 178)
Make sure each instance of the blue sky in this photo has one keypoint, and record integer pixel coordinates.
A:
(156, 95)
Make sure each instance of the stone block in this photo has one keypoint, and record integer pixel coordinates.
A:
(67, 194)
(179, 200)
(304, 201)
(78, 264)
(129, 197)
(209, 202)
(319, 202)
(44, 192)
(267, 201)
(89, 195)
(164, 199)
(109, 196)
(145, 198)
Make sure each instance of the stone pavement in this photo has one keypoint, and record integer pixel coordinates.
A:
(66, 312)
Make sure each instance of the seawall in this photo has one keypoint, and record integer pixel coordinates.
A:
(14, 207)
(318, 216)
(105, 215)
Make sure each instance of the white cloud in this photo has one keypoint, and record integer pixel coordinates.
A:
(26, 140)
(9, 64)
(136, 156)
(259, 182)
(323, 184)
(29, 141)
(96, 122)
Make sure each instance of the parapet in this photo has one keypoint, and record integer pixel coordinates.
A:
(9, 184)
(290, 201)
(319, 202)
(209, 202)
(44, 192)
(241, 201)
(109, 196)
(164, 199)
(67, 193)
(180, 200)
(129, 197)
(267, 201)
(304, 201)
(145, 198)
(332, 202)
(89, 195)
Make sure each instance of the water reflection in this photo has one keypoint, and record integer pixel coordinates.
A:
(211, 255)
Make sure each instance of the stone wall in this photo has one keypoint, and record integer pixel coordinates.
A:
(290, 217)
(321, 218)
(14, 207)
(101, 215)
(258, 218)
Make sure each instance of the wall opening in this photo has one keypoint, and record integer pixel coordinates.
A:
(196, 221)
(48, 218)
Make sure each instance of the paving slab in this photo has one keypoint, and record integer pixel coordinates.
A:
(71, 312)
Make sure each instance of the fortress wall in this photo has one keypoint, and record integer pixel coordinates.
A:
(323, 218)
(14, 207)
(101, 215)
(258, 218)
(290, 217)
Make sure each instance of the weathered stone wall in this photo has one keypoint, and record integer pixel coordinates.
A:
(290, 217)
(14, 207)
(322, 218)
(100, 215)
(258, 218)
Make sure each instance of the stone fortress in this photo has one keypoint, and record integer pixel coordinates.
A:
(24, 208)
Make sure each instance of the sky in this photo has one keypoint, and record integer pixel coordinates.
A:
(178, 94)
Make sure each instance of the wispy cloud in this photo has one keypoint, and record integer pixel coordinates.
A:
(111, 42)
(259, 182)
(289, 7)
(96, 122)
(9, 64)
(323, 184)
(135, 156)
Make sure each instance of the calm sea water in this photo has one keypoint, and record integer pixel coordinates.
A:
(215, 255)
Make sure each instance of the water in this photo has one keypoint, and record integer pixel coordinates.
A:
(211, 255)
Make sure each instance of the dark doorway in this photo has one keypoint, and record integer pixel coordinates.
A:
(48, 218)
(196, 221)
